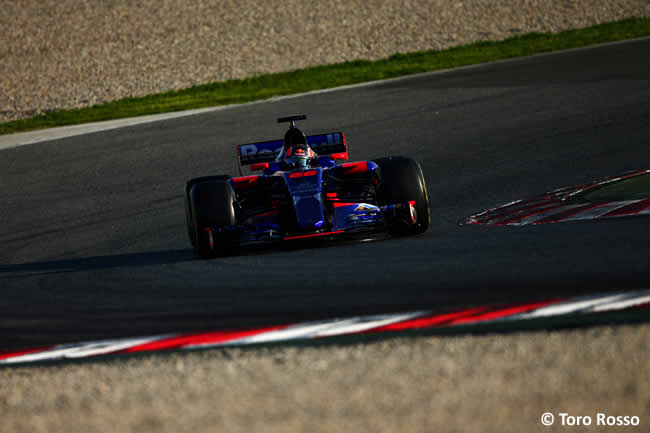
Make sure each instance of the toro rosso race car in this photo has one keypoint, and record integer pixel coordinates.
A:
(306, 189)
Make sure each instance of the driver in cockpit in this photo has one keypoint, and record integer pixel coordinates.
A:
(296, 152)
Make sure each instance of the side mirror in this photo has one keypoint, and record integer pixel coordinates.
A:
(326, 161)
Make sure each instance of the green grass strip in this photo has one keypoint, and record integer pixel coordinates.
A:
(322, 77)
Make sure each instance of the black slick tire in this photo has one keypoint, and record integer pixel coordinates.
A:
(188, 207)
(401, 180)
(209, 204)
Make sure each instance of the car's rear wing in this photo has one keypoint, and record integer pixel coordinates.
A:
(332, 144)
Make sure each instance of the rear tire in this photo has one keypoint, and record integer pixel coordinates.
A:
(210, 205)
(401, 181)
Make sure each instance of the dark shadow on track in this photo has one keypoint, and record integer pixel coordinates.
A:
(165, 257)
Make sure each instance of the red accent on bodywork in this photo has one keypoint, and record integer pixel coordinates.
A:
(313, 235)
(344, 204)
(210, 237)
(355, 167)
(269, 213)
(339, 156)
(244, 182)
(197, 339)
(259, 166)
(330, 194)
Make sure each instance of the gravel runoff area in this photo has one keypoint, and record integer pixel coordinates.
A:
(74, 53)
(444, 384)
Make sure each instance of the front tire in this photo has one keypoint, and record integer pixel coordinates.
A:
(210, 205)
(188, 207)
(401, 181)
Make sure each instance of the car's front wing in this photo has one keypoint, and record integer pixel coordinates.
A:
(347, 218)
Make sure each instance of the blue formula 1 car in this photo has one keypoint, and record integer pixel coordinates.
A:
(305, 189)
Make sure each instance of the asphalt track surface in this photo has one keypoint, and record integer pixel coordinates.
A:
(93, 232)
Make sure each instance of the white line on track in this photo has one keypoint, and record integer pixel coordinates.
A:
(24, 138)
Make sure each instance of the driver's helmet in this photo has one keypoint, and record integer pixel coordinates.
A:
(297, 151)
(300, 155)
